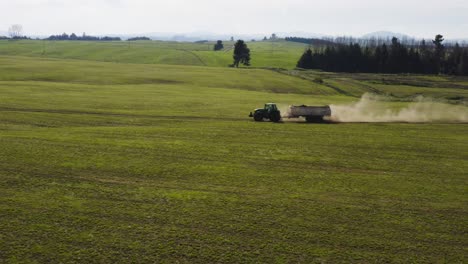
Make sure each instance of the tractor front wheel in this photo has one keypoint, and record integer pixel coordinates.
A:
(258, 117)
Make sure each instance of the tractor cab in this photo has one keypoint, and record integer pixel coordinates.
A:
(271, 107)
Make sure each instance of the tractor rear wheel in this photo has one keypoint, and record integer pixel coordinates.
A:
(276, 117)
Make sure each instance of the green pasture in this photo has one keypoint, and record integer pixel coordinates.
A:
(130, 162)
(278, 54)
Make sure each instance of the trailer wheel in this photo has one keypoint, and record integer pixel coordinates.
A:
(314, 119)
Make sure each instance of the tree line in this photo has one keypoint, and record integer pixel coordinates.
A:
(372, 42)
(138, 38)
(73, 36)
(14, 37)
(310, 41)
(425, 58)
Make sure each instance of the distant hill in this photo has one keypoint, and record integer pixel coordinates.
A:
(301, 34)
(311, 41)
(191, 36)
(278, 54)
(205, 35)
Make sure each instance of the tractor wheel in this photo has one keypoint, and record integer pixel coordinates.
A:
(275, 117)
(258, 117)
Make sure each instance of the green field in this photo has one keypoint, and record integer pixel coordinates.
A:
(112, 157)
(279, 54)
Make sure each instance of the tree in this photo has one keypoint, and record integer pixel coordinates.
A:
(463, 66)
(15, 31)
(241, 54)
(438, 43)
(453, 60)
(439, 52)
(426, 58)
(381, 58)
(138, 38)
(394, 56)
(64, 36)
(219, 45)
(306, 60)
(414, 61)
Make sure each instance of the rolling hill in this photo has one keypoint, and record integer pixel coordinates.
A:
(144, 153)
(279, 54)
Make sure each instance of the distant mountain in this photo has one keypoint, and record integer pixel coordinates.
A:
(189, 36)
(385, 35)
(301, 34)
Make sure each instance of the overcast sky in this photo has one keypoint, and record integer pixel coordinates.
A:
(420, 18)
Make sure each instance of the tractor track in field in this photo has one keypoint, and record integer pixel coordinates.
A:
(78, 112)
(310, 79)
(188, 117)
(195, 55)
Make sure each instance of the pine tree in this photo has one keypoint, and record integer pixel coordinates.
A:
(463, 66)
(453, 60)
(399, 58)
(394, 60)
(384, 61)
(439, 53)
(306, 60)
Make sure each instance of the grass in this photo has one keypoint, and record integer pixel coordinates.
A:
(86, 72)
(404, 86)
(119, 162)
(278, 54)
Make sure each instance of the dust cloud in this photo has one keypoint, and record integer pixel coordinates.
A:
(373, 108)
(284, 110)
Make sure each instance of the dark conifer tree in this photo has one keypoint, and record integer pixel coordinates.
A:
(453, 60)
(385, 55)
(439, 53)
(241, 54)
(398, 58)
(306, 60)
(219, 45)
(463, 66)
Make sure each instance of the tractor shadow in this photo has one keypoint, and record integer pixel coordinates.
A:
(302, 121)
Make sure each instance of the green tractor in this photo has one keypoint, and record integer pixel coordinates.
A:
(270, 111)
